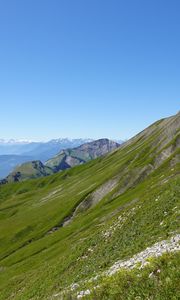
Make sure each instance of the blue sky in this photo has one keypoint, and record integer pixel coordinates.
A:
(87, 68)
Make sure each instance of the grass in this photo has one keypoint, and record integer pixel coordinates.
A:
(36, 264)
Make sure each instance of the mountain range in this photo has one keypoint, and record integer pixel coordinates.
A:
(14, 152)
(105, 229)
(66, 159)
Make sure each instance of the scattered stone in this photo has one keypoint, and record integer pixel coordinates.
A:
(56, 295)
(81, 294)
(155, 250)
(151, 274)
(90, 250)
(74, 286)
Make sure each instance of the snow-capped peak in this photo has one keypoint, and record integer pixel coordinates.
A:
(14, 141)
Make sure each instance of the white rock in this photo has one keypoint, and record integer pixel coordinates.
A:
(151, 274)
(74, 286)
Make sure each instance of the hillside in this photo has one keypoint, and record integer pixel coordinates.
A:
(64, 160)
(9, 162)
(28, 170)
(87, 231)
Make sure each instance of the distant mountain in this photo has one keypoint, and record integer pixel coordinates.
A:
(71, 157)
(14, 152)
(45, 151)
(28, 170)
(9, 162)
(7, 148)
(64, 160)
(38, 150)
(14, 142)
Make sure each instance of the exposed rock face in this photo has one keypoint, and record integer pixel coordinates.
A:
(92, 199)
(72, 157)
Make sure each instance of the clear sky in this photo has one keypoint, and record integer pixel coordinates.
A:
(87, 68)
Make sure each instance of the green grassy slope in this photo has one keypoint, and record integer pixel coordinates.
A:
(158, 280)
(28, 170)
(138, 184)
